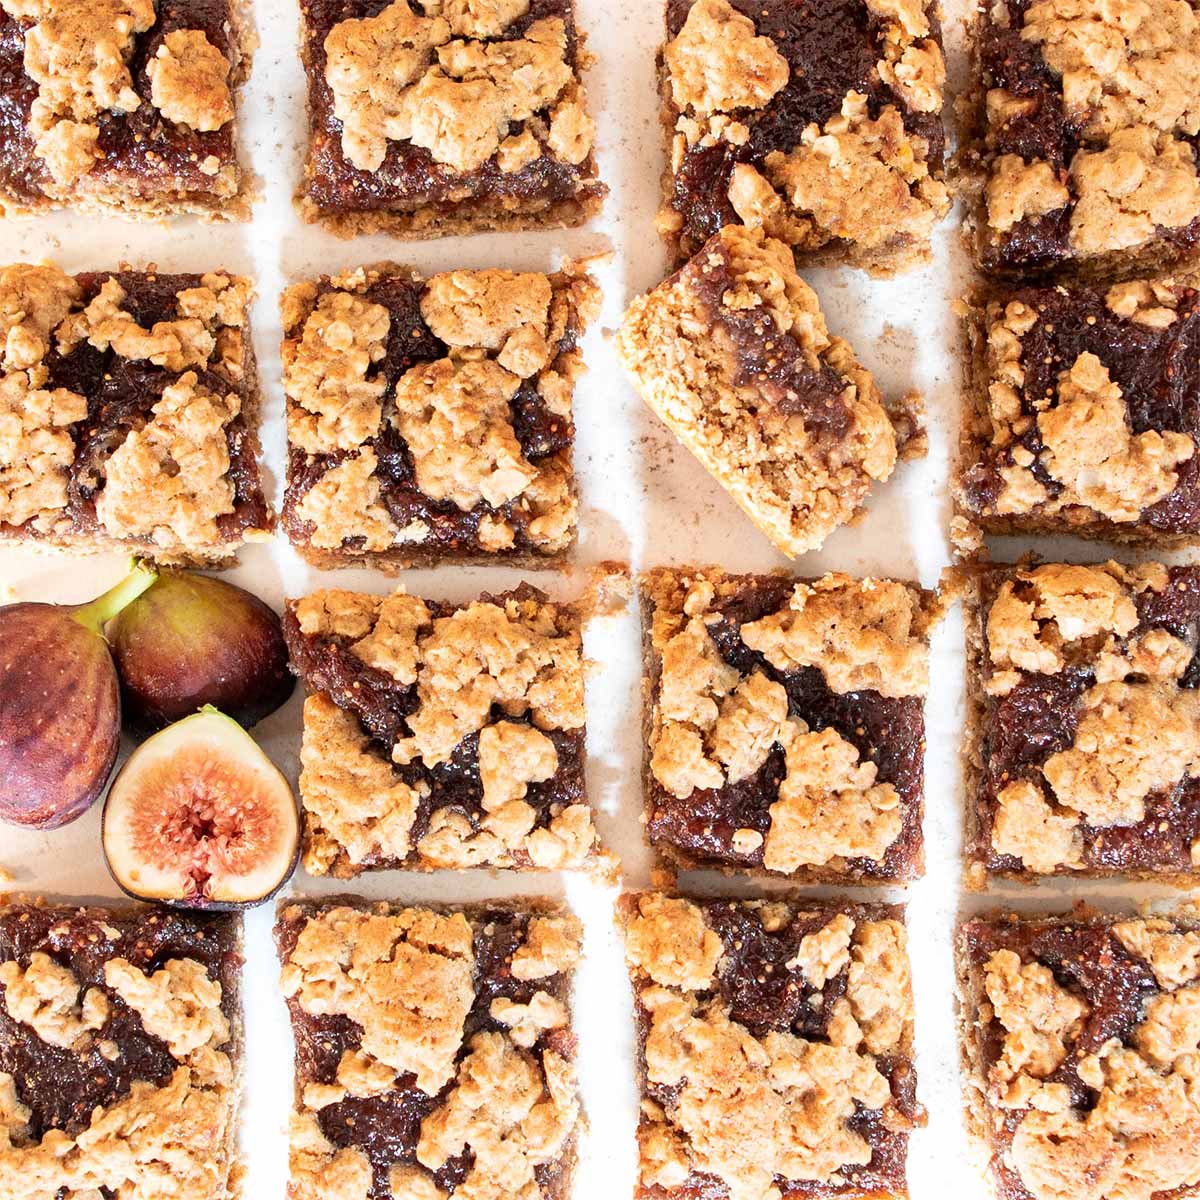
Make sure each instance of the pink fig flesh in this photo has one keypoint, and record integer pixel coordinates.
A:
(60, 710)
(192, 640)
(199, 817)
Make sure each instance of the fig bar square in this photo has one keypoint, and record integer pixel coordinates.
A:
(732, 352)
(129, 413)
(1083, 752)
(774, 1047)
(1079, 1050)
(433, 119)
(785, 728)
(1082, 132)
(438, 735)
(1085, 411)
(818, 120)
(120, 1052)
(123, 107)
(430, 420)
(434, 1049)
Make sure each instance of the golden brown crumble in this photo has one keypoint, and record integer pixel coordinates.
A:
(344, 504)
(354, 803)
(868, 633)
(77, 52)
(400, 77)
(319, 1170)
(751, 1110)
(1028, 826)
(796, 485)
(48, 998)
(552, 946)
(829, 805)
(717, 63)
(405, 978)
(169, 481)
(189, 81)
(670, 940)
(1016, 190)
(1136, 1137)
(34, 300)
(485, 309)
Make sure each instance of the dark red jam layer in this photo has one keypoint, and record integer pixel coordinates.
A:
(1039, 718)
(327, 664)
(121, 393)
(766, 992)
(1157, 370)
(387, 1127)
(888, 732)
(144, 155)
(540, 432)
(1091, 963)
(832, 47)
(410, 178)
(61, 1087)
(1047, 133)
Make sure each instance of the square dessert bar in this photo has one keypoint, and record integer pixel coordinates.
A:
(120, 1052)
(122, 107)
(785, 727)
(1078, 1042)
(1083, 747)
(774, 1047)
(1082, 132)
(818, 120)
(434, 1050)
(430, 420)
(129, 413)
(438, 735)
(436, 117)
(1086, 416)
(732, 352)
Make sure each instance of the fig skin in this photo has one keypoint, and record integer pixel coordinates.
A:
(200, 818)
(192, 640)
(60, 708)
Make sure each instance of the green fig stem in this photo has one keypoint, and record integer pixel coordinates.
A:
(97, 613)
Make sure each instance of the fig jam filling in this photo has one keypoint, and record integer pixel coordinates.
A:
(1039, 717)
(141, 153)
(122, 392)
(328, 665)
(540, 432)
(1157, 370)
(888, 732)
(62, 1087)
(765, 990)
(831, 47)
(387, 1127)
(409, 177)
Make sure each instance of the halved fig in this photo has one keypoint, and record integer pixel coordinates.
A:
(199, 817)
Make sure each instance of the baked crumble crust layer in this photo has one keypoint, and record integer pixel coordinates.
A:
(1078, 1044)
(129, 413)
(774, 1047)
(430, 419)
(429, 119)
(1083, 418)
(816, 120)
(438, 735)
(122, 107)
(785, 729)
(1082, 134)
(1083, 746)
(732, 352)
(120, 1052)
(434, 1049)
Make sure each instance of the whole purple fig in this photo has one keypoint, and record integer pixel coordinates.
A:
(60, 708)
(193, 640)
